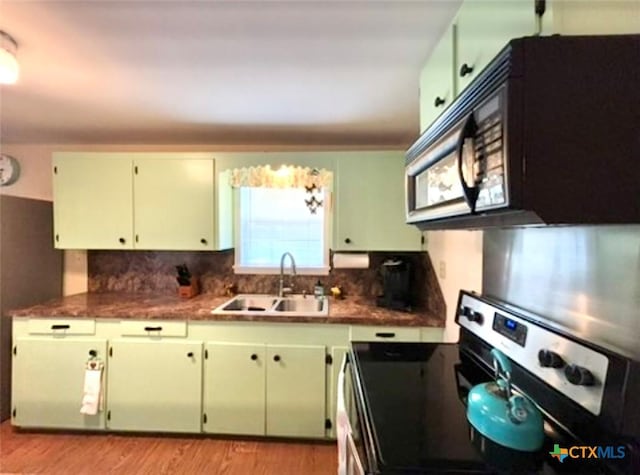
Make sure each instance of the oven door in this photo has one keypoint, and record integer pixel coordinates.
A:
(351, 456)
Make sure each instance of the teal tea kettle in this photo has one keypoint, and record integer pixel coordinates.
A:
(505, 417)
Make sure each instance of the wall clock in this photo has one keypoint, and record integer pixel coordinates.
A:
(9, 170)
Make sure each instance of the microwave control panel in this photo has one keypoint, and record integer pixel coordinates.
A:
(488, 154)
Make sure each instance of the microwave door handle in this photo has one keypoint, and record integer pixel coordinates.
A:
(468, 131)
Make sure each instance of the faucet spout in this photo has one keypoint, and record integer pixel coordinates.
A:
(282, 289)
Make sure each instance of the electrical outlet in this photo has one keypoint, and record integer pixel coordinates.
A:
(442, 270)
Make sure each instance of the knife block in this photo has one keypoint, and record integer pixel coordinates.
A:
(189, 291)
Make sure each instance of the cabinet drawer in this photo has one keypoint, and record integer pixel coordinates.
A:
(61, 326)
(368, 333)
(153, 328)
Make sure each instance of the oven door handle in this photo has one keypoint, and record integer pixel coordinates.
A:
(342, 396)
(467, 132)
(343, 429)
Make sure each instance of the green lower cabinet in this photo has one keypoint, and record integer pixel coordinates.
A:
(48, 382)
(234, 388)
(296, 390)
(258, 389)
(155, 386)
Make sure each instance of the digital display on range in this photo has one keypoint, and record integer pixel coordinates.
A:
(510, 324)
(510, 328)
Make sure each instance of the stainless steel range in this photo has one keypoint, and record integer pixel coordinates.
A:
(404, 406)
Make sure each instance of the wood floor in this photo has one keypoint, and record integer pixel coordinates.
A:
(74, 453)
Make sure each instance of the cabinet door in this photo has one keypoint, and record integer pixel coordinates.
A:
(589, 17)
(48, 382)
(234, 388)
(352, 203)
(155, 386)
(92, 195)
(370, 209)
(437, 80)
(174, 204)
(484, 27)
(296, 391)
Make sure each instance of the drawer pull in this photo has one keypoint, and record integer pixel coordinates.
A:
(153, 329)
(276, 358)
(254, 357)
(190, 354)
(385, 335)
(60, 327)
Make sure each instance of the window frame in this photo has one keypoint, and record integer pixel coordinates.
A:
(240, 269)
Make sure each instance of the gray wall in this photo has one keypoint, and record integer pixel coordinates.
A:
(583, 278)
(30, 271)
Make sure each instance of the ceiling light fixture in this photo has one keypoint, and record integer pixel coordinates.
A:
(9, 68)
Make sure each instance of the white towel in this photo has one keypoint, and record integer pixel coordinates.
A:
(92, 398)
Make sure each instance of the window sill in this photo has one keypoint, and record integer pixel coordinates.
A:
(276, 270)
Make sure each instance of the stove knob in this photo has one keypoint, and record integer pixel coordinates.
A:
(549, 359)
(472, 315)
(579, 376)
(476, 317)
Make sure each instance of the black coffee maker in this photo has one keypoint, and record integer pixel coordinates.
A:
(396, 280)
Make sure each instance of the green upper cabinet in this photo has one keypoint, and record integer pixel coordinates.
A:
(173, 204)
(370, 209)
(140, 201)
(484, 28)
(92, 196)
(591, 17)
(437, 80)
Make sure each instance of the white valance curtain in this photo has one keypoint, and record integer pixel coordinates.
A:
(287, 176)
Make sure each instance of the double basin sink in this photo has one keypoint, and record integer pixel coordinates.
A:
(302, 305)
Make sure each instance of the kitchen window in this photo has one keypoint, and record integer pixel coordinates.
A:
(272, 221)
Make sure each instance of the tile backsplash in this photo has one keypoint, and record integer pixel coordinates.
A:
(154, 271)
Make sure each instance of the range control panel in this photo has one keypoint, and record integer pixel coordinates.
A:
(575, 370)
(510, 328)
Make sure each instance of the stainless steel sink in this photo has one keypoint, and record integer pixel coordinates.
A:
(298, 304)
(249, 303)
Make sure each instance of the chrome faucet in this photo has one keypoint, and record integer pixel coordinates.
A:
(282, 290)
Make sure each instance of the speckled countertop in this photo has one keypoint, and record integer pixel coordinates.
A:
(118, 305)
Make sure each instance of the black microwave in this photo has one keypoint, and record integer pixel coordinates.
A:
(548, 133)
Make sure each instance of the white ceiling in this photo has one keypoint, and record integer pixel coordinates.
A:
(218, 72)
